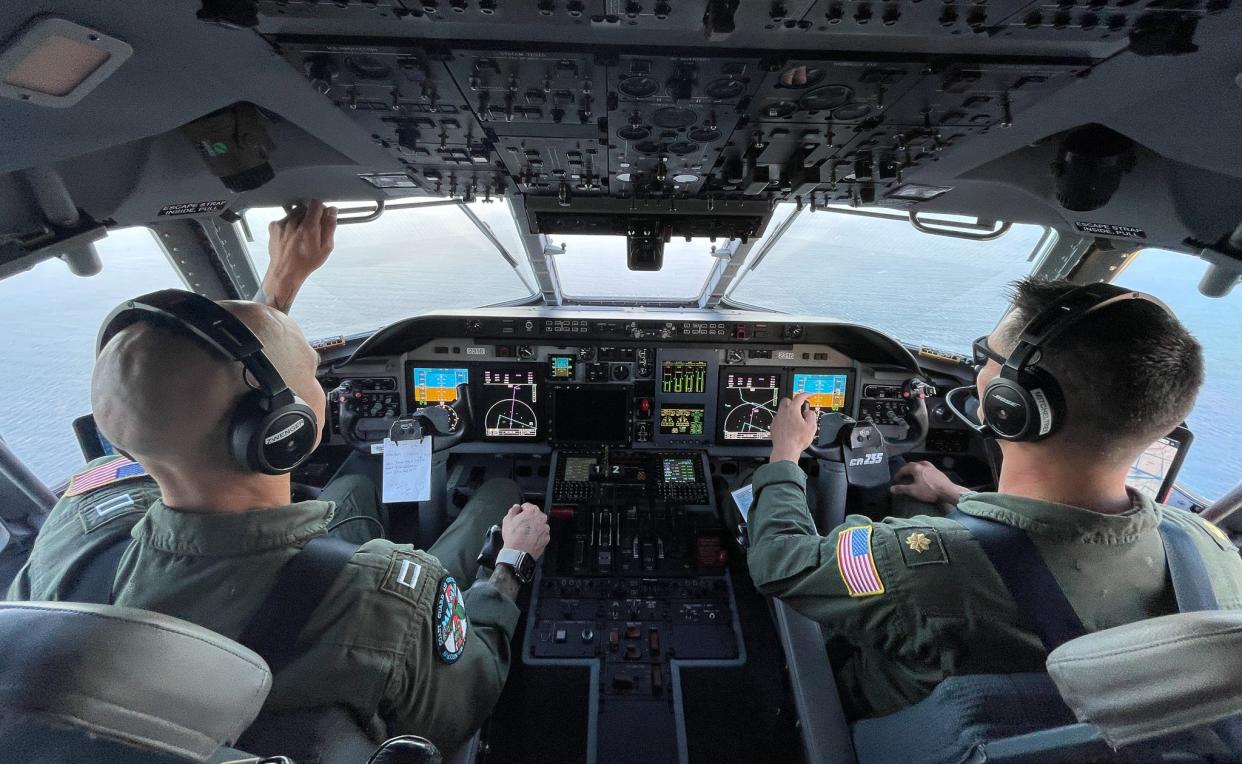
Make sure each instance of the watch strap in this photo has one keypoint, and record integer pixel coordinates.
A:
(521, 562)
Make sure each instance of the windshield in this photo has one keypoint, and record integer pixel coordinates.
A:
(409, 261)
(593, 268)
(881, 272)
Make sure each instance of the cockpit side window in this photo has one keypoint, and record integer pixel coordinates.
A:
(1211, 467)
(51, 320)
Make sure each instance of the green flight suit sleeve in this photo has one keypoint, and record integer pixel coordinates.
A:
(901, 612)
(78, 528)
(788, 559)
(443, 698)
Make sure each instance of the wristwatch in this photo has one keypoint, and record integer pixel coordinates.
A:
(521, 563)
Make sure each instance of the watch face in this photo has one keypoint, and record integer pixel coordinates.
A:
(526, 568)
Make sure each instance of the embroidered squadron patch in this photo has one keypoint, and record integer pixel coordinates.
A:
(856, 563)
(922, 546)
(450, 620)
(104, 474)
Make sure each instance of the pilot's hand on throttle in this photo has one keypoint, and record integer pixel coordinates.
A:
(525, 528)
(923, 482)
(793, 429)
(298, 244)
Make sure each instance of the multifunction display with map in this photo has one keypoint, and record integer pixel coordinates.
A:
(748, 403)
(683, 376)
(827, 390)
(436, 385)
(681, 420)
(510, 403)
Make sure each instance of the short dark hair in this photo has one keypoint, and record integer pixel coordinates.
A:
(1129, 373)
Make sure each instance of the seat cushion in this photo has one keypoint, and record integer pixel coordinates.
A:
(961, 713)
(146, 680)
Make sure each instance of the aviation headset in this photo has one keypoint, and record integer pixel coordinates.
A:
(1024, 402)
(271, 430)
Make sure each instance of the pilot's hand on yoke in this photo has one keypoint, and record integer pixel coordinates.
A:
(793, 429)
(298, 244)
(525, 528)
(923, 482)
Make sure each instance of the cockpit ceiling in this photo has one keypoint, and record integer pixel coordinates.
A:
(605, 112)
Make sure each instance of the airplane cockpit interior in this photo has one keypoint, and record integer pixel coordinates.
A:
(589, 246)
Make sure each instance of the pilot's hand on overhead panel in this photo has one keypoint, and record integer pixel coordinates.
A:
(298, 244)
(923, 482)
(793, 429)
(525, 528)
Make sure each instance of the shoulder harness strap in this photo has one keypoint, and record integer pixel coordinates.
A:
(1031, 584)
(1191, 584)
(302, 584)
(92, 583)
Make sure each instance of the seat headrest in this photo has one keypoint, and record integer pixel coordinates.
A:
(147, 680)
(1154, 677)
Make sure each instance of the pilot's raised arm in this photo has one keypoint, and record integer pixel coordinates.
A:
(297, 245)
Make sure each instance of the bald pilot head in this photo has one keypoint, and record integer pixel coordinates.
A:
(166, 399)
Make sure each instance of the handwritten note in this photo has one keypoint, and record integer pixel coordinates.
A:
(744, 497)
(407, 470)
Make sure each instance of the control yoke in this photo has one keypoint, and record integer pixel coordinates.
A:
(436, 421)
(862, 448)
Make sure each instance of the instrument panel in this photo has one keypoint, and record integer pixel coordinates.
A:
(671, 396)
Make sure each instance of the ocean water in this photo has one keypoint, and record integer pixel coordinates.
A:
(936, 291)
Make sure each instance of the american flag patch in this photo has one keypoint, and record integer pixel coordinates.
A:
(104, 474)
(856, 564)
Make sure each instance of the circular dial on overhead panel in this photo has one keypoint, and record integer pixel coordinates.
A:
(633, 133)
(638, 86)
(827, 97)
(725, 89)
(852, 111)
(674, 117)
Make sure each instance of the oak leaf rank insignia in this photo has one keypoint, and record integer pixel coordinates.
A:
(918, 542)
(922, 545)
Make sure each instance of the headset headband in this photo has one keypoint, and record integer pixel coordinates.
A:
(215, 326)
(1065, 313)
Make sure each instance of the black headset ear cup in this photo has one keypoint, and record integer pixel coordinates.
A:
(272, 436)
(1026, 409)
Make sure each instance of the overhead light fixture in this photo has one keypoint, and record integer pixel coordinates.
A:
(54, 62)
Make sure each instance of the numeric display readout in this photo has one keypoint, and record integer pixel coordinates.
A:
(683, 376)
(437, 385)
(827, 390)
(748, 404)
(681, 420)
(680, 471)
(510, 403)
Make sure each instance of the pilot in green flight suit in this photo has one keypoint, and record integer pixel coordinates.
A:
(405, 639)
(918, 599)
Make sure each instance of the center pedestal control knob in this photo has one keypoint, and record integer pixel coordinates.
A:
(620, 372)
(588, 636)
